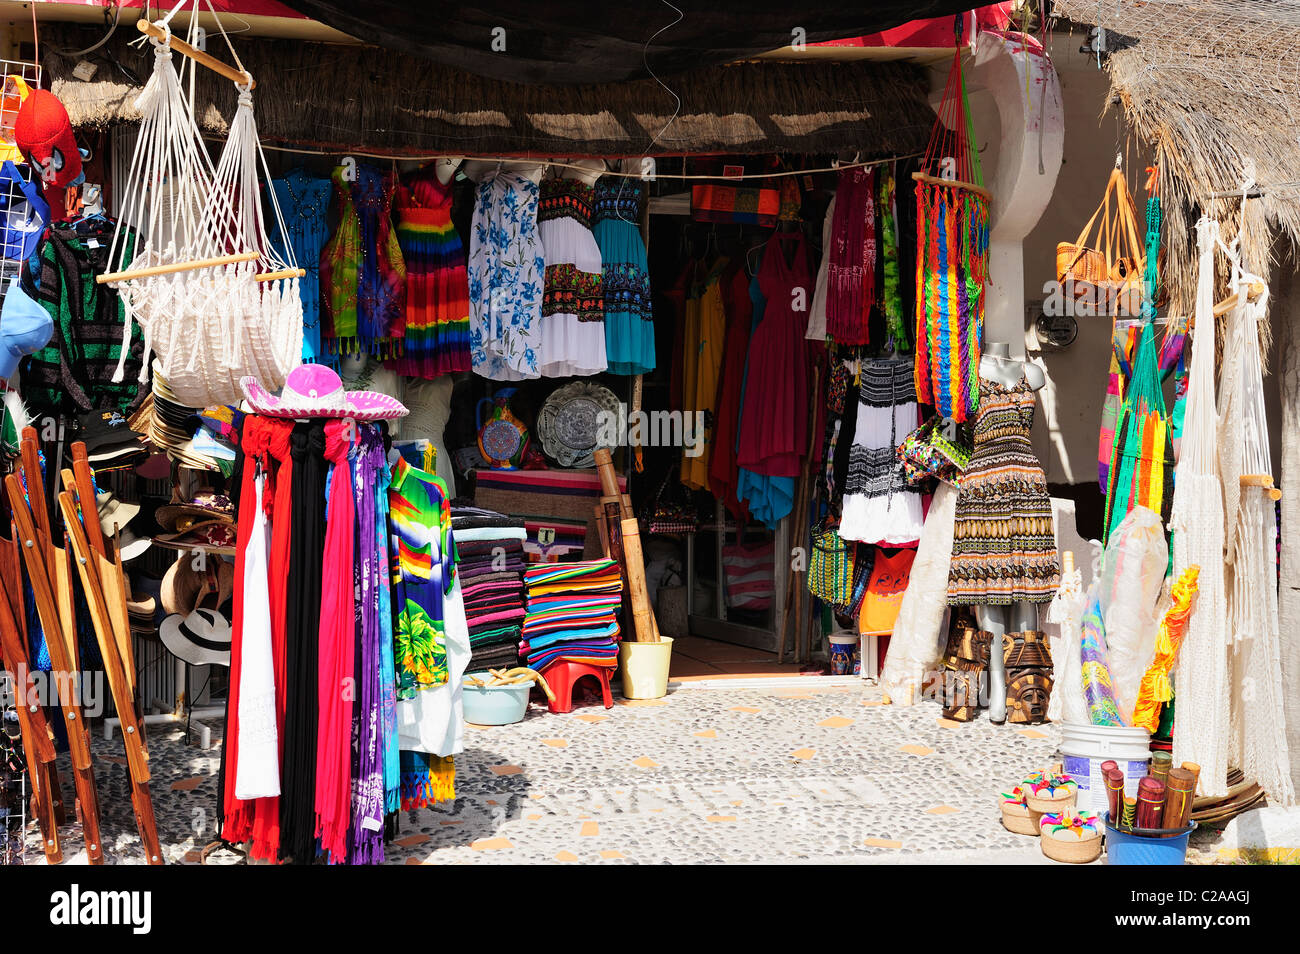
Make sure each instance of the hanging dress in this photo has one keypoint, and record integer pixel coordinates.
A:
(363, 279)
(706, 331)
(436, 336)
(1004, 547)
(629, 325)
(879, 506)
(573, 301)
(724, 475)
(774, 424)
(506, 273)
(304, 203)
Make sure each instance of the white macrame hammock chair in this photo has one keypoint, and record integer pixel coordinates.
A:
(226, 304)
(1196, 523)
(1257, 740)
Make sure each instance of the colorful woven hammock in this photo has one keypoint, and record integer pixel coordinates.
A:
(1142, 458)
(952, 244)
(1156, 689)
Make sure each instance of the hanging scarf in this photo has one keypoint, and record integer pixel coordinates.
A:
(302, 644)
(258, 774)
(238, 813)
(266, 823)
(336, 688)
(891, 299)
(367, 841)
(851, 278)
(388, 664)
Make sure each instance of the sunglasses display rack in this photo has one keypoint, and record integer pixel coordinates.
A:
(14, 75)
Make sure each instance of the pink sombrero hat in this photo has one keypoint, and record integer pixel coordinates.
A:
(313, 390)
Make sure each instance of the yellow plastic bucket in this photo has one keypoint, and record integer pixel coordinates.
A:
(643, 667)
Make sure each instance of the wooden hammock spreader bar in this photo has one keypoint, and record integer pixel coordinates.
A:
(1261, 480)
(283, 273)
(1222, 308)
(198, 56)
(954, 183)
(176, 267)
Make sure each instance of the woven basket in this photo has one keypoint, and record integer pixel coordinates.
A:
(1072, 850)
(1018, 819)
(1043, 805)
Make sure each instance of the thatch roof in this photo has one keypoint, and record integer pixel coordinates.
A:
(351, 98)
(1211, 85)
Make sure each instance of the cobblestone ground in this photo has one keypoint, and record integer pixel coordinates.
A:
(707, 775)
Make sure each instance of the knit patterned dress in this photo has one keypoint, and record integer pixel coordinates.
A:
(1003, 548)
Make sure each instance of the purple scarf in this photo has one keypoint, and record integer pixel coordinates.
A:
(366, 846)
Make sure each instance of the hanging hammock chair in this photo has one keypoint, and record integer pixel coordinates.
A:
(1196, 524)
(1258, 742)
(952, 245)
(217, 301)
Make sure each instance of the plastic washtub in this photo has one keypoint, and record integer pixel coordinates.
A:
(495, 705)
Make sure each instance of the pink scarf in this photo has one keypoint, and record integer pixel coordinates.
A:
(336, 688)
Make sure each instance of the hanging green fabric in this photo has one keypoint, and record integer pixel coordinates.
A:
(1142, 462)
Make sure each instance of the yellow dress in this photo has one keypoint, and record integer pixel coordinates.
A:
(706, 331)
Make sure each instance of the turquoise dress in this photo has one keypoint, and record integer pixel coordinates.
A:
(629, 322)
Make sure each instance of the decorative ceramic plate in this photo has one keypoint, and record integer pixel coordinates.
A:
(570, 422)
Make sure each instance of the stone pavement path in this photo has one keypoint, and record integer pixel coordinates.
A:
(706, 775)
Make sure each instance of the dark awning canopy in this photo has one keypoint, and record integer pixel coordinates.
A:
(340, 98)
(565, 42)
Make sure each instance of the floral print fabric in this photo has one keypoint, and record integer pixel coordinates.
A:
(507, 268)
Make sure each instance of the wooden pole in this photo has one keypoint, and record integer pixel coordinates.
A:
(643, 617)
(173, 267)
(198, 56)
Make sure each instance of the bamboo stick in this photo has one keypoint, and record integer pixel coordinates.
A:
(198, 56)
(173, 267)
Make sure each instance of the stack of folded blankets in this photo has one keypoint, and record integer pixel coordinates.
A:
(572, 613)
(490, 547)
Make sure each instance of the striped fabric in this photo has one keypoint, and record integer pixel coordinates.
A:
(750, 582)
(1003, 549)
(572, 613)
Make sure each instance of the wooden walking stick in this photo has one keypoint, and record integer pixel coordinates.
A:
(38, 743)
(101, 581)
(55, 608)
(645, 627)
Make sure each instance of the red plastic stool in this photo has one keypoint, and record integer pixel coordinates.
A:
(562, 676)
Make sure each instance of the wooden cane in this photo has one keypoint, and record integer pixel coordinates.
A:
(93, 570)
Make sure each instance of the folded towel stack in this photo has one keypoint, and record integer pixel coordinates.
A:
(490, 546)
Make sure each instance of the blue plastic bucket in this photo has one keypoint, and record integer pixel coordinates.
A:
(495, 705)
(1147, 846)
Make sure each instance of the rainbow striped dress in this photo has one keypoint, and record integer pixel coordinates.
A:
(1003, 544)
(436, 339)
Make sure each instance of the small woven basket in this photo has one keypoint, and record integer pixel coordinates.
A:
(1072, 850)
(1018, 819)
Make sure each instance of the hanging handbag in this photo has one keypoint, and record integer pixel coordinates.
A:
(670, 510)
(1116, 262)
(830, 565)
(926, 452)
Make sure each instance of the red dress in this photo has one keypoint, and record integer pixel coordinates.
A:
(723, 470)
(774, 424)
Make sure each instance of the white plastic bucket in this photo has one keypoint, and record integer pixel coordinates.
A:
(1085, 747)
